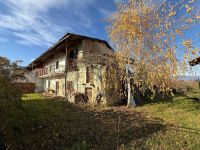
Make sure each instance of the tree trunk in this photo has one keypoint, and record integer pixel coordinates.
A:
(130, 101)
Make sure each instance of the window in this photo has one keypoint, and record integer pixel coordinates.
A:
(50, 68)
(73, 54)
(57, 64)
(89, 75)
(70, 86)
(46, 71)
(49, 84)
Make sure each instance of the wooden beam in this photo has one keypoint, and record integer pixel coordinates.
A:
(66, 71)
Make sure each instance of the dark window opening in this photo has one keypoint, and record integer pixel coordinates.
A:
(57, 64)
(49, 83)
(50, 68)
(72, 62)
(89, 75)
(73, 54)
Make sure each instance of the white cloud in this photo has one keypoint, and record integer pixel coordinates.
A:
(104, 12)
(3, 40)
(29, 20)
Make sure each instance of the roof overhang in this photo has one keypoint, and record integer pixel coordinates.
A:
(69, 40)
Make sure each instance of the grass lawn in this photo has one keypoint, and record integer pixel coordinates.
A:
(53, 124)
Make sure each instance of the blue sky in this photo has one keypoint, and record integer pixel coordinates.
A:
(30, 27)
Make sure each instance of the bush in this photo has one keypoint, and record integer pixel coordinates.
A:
(80, 98)
(9, 93)
(8, 74)
(181, 86)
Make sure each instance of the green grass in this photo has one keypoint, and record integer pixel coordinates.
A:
(33, 96)
(55, 124)
(182, 110)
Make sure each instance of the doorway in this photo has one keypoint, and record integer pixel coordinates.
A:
(57, 88)
(88, 93)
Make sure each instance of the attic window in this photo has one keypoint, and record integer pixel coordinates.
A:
(73, 54)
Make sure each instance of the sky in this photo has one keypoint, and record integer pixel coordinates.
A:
(29, 27)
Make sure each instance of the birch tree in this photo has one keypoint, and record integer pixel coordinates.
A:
(146, 31)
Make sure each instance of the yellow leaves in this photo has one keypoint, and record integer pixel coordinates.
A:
(189, 20)
(191, 1)
(178, 32)
(172, 13)
(151, 38)
(188, 8)
(168, 24)
(187, 44)
(198, 17)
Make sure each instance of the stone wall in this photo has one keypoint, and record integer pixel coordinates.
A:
(25, 87)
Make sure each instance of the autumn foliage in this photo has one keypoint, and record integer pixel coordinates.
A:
(147, 32)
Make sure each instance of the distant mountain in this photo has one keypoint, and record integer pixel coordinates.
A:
(189, 77)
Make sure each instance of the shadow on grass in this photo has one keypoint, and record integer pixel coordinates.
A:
(2, 141)
(53, 124)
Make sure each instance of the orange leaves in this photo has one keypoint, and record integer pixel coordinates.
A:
(189, 20)
(172, 13)
(198, 17)
(188, 8)
(179, 32)
(148, 32)
(187, 44)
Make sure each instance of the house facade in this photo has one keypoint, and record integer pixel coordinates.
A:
(74, 65)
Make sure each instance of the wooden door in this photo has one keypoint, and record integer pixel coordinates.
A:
(57, 88)
(88, 92)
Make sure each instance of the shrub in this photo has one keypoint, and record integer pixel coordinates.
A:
(80, 98)
(8, 74)
(181, 86)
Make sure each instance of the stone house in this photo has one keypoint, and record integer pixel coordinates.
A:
(74, 65)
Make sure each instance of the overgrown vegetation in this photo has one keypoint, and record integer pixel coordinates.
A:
(8, 73)
(8, 93)
(54, 124)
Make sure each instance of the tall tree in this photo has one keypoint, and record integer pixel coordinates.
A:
(146, 31)
(8, 73)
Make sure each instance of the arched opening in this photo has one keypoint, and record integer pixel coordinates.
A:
(72, 61)
(73, 54)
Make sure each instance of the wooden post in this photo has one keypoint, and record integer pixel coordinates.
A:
(66, 72)
(32, 66)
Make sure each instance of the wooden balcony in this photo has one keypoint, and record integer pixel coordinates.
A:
(41, 72)
(46, 71)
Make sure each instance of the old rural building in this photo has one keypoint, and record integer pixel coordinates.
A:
(75, 65)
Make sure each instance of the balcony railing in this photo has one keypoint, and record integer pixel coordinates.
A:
(51, 70)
